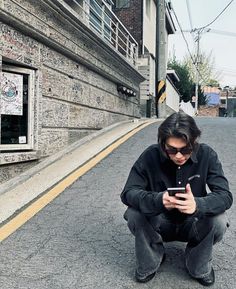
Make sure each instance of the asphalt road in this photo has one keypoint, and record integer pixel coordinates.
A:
(80, 240)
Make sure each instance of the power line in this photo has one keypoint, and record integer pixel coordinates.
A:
(214, 31)
(225, 33)
(189, 14)
(225, 68)
(193, 60)
(229, 73)
(202, 28)
(181, 30)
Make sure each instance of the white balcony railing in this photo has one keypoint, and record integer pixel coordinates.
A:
(99, 17)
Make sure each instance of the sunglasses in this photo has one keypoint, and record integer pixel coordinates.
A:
(173, 151)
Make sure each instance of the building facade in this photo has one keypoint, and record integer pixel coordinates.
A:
(140, 18)
(227, 102)
(62, 63)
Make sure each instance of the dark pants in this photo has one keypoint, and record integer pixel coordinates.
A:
(151, 232)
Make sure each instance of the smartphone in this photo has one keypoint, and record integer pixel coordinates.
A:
(173, 191)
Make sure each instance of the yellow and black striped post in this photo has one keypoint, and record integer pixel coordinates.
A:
(161, 91)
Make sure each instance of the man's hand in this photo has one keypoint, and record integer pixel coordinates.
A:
(185, 205)
(168, 201)
(188, 204)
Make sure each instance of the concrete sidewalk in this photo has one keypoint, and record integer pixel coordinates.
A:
(23, 189)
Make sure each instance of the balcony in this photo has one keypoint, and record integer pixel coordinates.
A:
(98, 16)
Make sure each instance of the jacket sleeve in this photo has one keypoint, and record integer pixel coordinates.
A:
(219, 199)
(136, 195)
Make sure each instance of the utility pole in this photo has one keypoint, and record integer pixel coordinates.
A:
(197, 72)
(160, 54)
(226, 88)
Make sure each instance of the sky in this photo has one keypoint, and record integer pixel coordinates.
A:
(222, 46)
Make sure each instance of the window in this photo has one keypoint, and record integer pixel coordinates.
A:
(16, 111)
(107, 26)
(148, 8)
(122, 4)
(96, 15)
(100, 20)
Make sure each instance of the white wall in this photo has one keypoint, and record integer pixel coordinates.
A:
(187, 108)
(149, 27)
(172, 96)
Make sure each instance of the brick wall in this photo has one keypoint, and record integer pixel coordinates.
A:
(132, 19)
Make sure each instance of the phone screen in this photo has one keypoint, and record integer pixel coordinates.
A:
(173, 191)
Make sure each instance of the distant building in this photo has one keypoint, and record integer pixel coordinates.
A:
(220, 102)
(212, 95)
(227, 103)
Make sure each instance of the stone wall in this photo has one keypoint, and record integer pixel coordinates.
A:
(76, 77)
(211, 111)
(164, 110)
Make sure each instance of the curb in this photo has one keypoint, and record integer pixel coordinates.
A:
(29, 186)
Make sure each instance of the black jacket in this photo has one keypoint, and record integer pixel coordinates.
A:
(154, 172)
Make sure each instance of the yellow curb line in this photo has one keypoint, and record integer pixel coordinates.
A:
(19, 220)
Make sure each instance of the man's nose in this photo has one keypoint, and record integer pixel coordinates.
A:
(178, 155)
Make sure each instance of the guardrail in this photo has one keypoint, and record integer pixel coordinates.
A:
(99, 17)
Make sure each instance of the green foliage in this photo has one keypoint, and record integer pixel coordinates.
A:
(185, 84)
(207, 74)
(213, 83)
(202, 98)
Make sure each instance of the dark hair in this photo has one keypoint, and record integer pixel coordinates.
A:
(179, 125)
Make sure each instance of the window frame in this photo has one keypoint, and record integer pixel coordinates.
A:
(148, 8)
(99, 19)
(30, 120)
(95, 15)
(122, 6)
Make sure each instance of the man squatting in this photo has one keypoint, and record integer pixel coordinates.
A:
(194, 216)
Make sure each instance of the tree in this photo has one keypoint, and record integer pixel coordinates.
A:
(213, 83)
(202, 98)
(207, 74)
(185, 84)
(186, 73)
